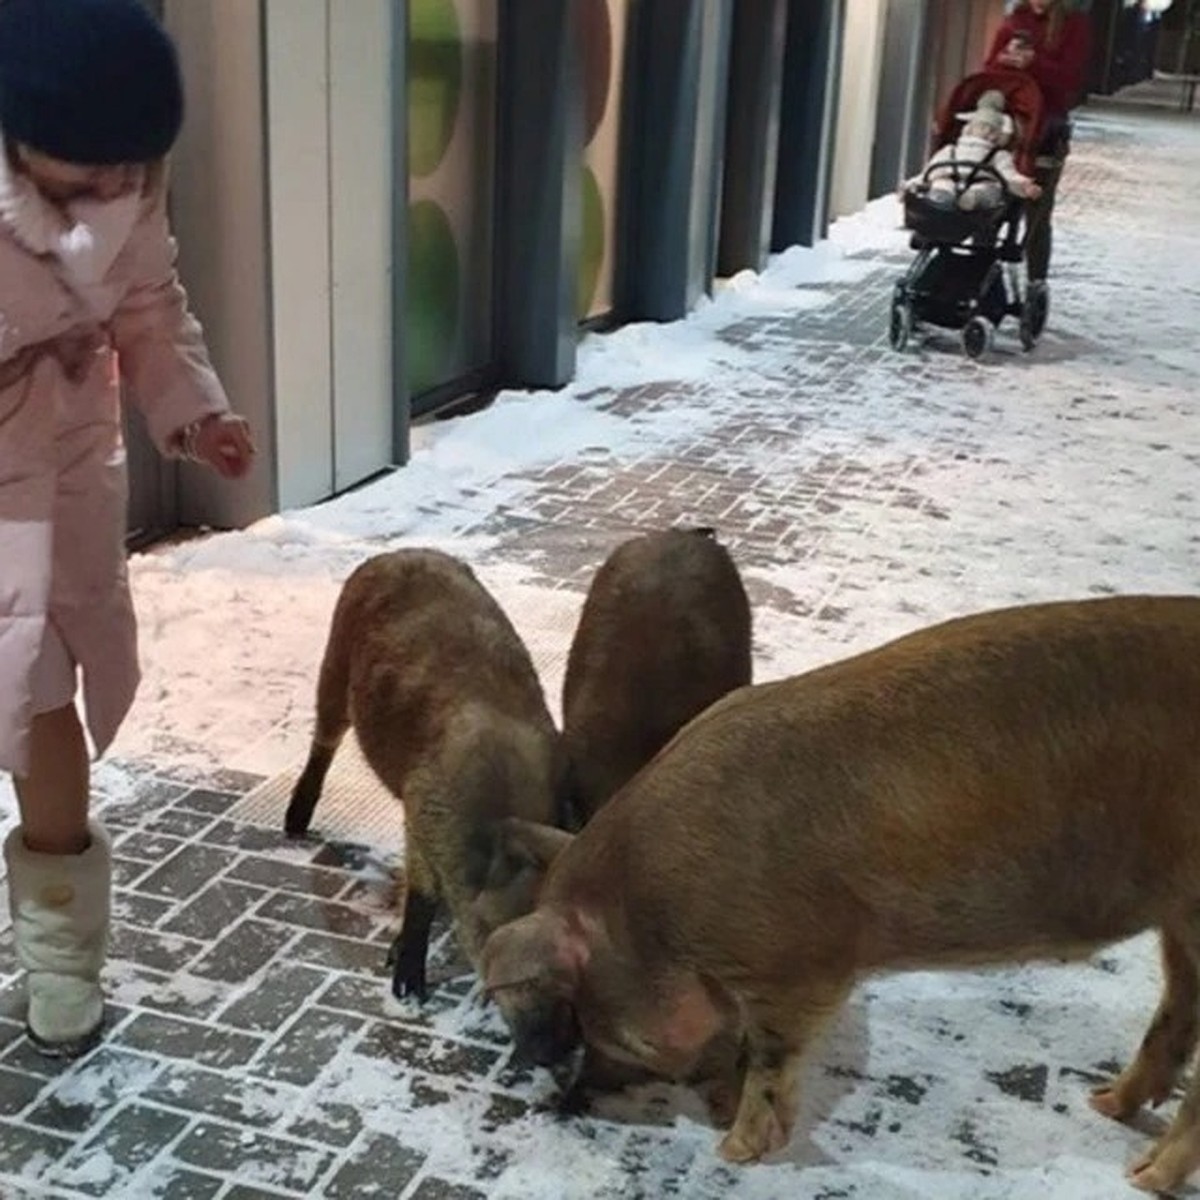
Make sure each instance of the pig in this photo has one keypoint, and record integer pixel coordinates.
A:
(664, 631)
(452, 718)
(1016, 784)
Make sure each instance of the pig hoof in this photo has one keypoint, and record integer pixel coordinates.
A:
(408, 972)
(735, 1149)
(759, 1133)
(406, 986)
(1109, 1102)
(1147, 1175)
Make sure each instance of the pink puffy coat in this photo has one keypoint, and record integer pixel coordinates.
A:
(62, 460)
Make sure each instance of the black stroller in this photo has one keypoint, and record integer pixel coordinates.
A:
(966, 274)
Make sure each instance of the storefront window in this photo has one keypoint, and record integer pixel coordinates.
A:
(452, 161)
(603, 25)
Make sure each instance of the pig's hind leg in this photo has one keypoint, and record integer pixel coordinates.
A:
(1165, 1050)
(333, 720)
(776, 1038)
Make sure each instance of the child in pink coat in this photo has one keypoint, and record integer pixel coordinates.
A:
(90, 103)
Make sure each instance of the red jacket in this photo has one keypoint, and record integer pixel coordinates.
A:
(1060, 70)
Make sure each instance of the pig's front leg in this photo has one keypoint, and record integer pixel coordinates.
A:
(767, 1105)
(410, 950)
(775, 1042)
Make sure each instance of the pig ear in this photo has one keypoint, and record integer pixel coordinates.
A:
(538, 844)
(526, 843)
(545, 948)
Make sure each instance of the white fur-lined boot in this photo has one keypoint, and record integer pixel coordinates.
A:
(60, 913)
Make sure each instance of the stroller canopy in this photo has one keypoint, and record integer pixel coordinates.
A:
(1022, 99)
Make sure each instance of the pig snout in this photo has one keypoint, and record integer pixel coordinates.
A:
(547, 1035)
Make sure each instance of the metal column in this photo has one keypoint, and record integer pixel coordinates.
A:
(674, 143)
(540, 217)
(811, 79)
(752, 134)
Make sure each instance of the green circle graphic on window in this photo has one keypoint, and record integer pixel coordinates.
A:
(591, 250)
(435, 79)
(433, 294)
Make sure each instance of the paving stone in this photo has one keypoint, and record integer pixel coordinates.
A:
(255, 1158)
(17, 1091)
(237, 1098)
(316, 914)
(432, 1188)
(245, 949)
(179, 822)
(348, 856)
(11, 1030)
(330, 1122)
(166, 1181)
(147, 846)
(30, 1153)
(300, 1053)
(210, 914)
(127, 871)
(274, 999)
(8, 952)
(211, 803)
(150, 796)
(152, 948)
(306, 879)
(134, 908)
(131, 1139)
(379, 1166)
(185, 872)
(173, 1038)
(236, 836)
(21, 1056)
(80, 1098)
(324, 950)
(438, 1056)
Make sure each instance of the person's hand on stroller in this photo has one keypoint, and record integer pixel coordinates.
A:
(1031, 190)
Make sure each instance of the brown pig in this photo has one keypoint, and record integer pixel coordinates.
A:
(1017, 784)
(450, 715)
(665, 631)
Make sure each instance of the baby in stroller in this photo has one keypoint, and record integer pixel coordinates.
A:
(957, 175)
(967, 215)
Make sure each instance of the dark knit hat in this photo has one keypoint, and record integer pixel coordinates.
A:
(93, 82)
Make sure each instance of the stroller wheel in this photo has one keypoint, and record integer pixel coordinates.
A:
(977, 337)
(900, 323)
(1034, 312)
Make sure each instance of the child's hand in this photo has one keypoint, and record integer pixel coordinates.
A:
(223, 442)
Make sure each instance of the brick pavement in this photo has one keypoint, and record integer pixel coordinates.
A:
(252, 1045)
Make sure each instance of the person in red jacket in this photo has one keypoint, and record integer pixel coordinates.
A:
(1053, 44)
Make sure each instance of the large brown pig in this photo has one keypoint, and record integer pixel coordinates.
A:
(665, 631)
(1016, 784)
(450, 715)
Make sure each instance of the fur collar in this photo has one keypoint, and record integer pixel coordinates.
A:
(84, 238)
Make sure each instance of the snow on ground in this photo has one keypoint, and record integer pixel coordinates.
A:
(1070, 472)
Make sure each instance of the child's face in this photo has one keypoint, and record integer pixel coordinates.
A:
(62, 182)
